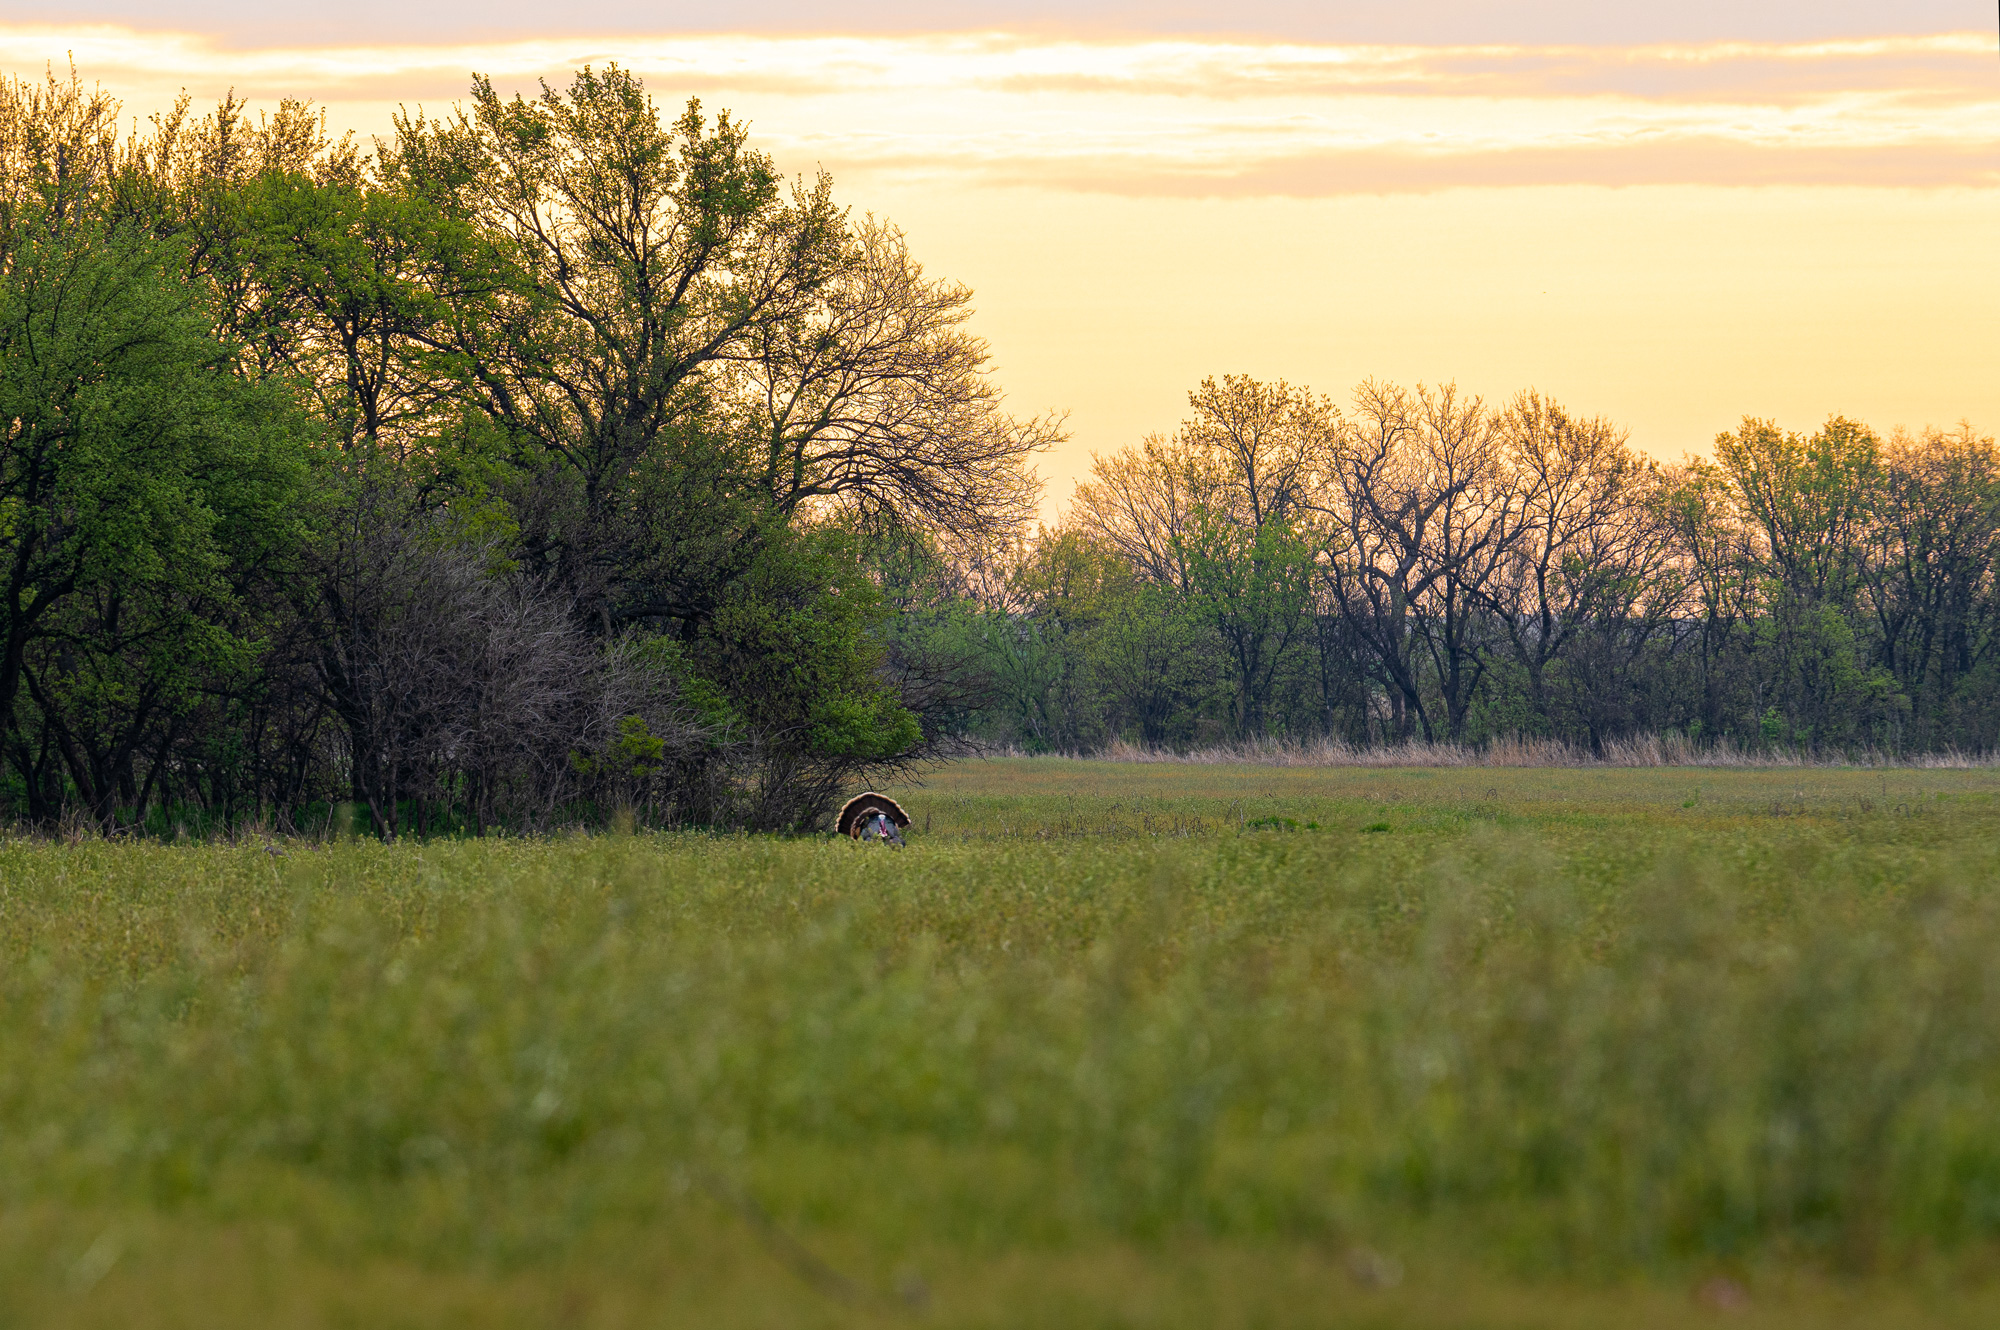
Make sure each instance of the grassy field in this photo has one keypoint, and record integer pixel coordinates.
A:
(1109, 1045)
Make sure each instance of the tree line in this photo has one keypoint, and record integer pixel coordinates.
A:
(1420, 564)
(553, 461)
(537, 465)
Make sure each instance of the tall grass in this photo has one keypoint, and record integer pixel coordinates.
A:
(1649, 750)
(1550, 1044)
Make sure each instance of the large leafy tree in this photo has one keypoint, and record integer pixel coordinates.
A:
(640, 255)
(694, 372)
(1810, 502)
(791, 661)
(143, 486)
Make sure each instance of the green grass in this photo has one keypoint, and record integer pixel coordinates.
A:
(1108, 1045)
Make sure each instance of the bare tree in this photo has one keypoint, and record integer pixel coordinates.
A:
(1218, 512)
(1248, 453)
(1415, 520)
(1141, 501)
(461, 684)
(1929, 576)
(1714, 571)
(1588, 543)
(1262, 444)
(1470, 534)
(878, 400)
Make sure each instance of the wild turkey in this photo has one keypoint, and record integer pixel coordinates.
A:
(872, 816)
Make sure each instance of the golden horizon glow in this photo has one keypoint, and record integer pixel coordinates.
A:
(1672, 235)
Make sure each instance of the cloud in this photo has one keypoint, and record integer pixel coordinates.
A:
(248, 23)
(1174, 116)
(1690, 161)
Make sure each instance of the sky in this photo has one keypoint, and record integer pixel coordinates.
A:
(1671, 216)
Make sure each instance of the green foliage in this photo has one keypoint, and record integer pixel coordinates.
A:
(1555, 587)
(635, 751)
(1810, 497)
(1818, 673)
(145, 488)
(1253, 585)
(794, 647)
(1156, 661)
(558, 326)
(353, 291)
(1771, 725)
(630, 259)
(651, 381)
(1273, 822)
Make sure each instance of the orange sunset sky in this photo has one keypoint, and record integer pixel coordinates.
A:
(1778, 209)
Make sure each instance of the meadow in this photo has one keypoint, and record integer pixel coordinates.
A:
(1109, 1045)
